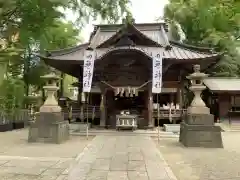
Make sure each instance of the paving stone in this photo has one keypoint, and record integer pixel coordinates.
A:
(135, 156)
(29, 163)
(2, 162)
(133, 150)
(52, 172)
(97, 175)
(62, 177)
(46, 178)
(62, 164)
(24, 177)
(160, 174)
(105, 154)
(118, 165)
(137, 175)
(121, 157)
(23, 170)
(136, 166)
(117, 175)
(65, 172)
(101, 164)
(6, 176)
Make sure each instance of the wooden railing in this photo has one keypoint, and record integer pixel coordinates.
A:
(91, 111)
(171, 114)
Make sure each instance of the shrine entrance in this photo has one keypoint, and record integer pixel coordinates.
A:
(130, 105)
(124, 86)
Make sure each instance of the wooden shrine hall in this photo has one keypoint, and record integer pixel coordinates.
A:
(122, 73)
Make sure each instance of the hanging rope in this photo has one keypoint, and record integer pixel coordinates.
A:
(139, 87)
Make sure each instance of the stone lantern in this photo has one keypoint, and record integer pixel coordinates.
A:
(197, 106)
(197, 128)
(50, 104)
(50, 126)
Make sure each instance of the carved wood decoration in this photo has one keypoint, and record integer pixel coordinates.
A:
(129, 69)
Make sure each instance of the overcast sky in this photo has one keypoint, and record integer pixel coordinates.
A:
(144, 11)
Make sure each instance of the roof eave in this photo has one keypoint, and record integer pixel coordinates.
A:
(66, 50)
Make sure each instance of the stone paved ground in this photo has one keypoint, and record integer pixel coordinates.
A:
(120, 158)
(20, 160)
(203, 163)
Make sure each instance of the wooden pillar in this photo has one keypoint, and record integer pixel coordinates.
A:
(81, 95)
(180, 89)
(150, 108)
(103, 108)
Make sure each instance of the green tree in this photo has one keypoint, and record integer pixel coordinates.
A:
(215, 24)
(25, 23)
(59, 36)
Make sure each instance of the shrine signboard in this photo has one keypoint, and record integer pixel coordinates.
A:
(89, 57)
(157, 72)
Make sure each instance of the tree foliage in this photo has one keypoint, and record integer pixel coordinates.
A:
(214, 23)
(30, 26)
(27, 23)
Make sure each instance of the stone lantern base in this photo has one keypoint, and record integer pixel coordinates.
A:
(49, 127)
(198, 130)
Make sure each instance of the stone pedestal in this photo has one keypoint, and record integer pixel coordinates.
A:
(198, 129)
(49, 126)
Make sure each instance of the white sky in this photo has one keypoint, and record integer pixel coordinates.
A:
(144, 11)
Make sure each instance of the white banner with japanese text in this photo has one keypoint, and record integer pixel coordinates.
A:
(157, 72)
(89, 57)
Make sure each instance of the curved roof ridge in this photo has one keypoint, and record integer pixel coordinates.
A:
(135, 28)
(202, 50)
(68, 50)
(145, 35)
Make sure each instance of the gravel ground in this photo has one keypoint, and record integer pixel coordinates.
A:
(203, 163)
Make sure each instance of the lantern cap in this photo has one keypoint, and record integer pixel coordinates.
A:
(51, 76)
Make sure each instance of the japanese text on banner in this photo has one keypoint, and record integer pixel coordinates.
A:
(89, 57)
(157, 73)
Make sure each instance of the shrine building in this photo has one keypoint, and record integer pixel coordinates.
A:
(122, 75)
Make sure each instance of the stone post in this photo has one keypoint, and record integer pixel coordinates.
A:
(49, 126)
(198, 129)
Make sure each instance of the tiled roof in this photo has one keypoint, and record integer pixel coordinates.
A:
(223, 84)
(175, 52)
(155, 32)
